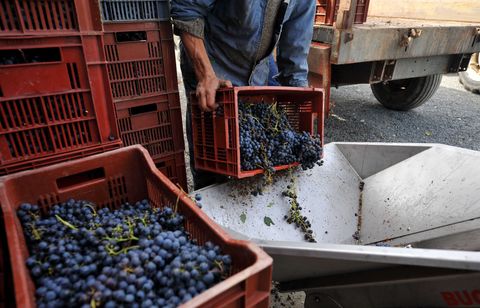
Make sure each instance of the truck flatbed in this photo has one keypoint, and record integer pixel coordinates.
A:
(385, 38)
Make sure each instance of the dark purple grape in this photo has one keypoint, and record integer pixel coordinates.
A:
(267, 139)
(133, 256)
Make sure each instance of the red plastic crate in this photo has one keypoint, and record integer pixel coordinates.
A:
(44, 17)
(154, 122)
(110, 179)
(173, 166)
(54, 99)
(141, 59)
(361, 11)
(327, 11)
(216, 138)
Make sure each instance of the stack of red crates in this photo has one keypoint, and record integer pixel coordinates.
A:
(141, 63)
(327, 11)
(55, 101)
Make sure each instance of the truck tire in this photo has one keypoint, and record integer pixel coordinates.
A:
(471, 77)
(406, 94)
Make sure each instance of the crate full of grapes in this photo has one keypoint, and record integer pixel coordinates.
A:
(259, 130)
(111, 230)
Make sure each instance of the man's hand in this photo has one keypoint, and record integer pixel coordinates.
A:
(207, 89)
(208, 83)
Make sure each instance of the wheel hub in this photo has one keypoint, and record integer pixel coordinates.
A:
(473, 70)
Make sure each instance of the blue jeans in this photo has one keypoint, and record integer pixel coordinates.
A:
(273, 71)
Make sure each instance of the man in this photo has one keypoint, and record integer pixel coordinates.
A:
(230, 42)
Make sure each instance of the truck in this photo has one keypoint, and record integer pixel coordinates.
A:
(401, 50)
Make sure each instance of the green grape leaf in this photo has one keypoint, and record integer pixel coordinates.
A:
(243, 217)
(268, 221)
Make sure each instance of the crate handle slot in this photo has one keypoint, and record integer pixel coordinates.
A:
(32, 55)
(130, 36)
(161, 164)
(80, 179)
(143, 109)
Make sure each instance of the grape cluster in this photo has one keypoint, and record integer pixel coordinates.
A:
(267, 139)
(295, 215)
(135, 256)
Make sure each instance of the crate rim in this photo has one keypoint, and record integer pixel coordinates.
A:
(148, 99)
(110, 27)
(111, 144)
(162, 18)
(261, 90)
(85, 21)
(262, 259)
(64, 33)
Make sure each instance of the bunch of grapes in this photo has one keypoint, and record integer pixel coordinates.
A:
(267, 139)
(136, 256)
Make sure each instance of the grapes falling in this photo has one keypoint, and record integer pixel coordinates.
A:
(135, 256)
(267, 139)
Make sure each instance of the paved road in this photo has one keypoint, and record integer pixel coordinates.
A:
(452, 116)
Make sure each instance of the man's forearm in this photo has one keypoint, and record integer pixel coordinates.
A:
(197, 53)
(208, 83)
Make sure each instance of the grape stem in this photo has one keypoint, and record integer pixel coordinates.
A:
(92, 208)
(66, 223)
(111, 251)
(176, 205)
(36, 233)
(93, 303)
(219, 264)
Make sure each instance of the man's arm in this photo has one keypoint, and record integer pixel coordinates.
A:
(294, 45)
(188, 18)
(208, 83)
